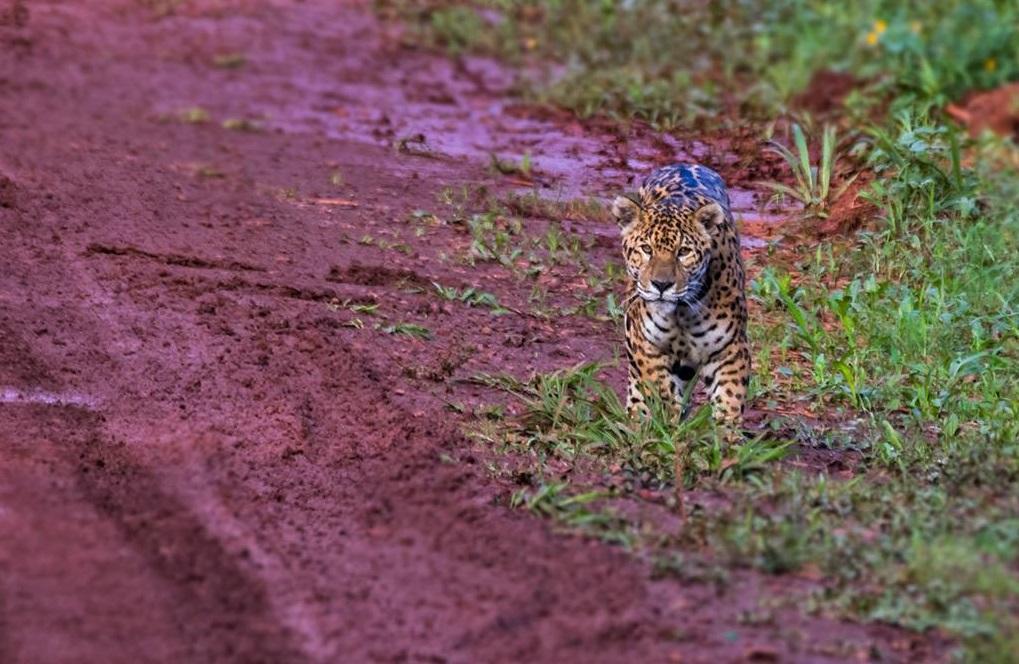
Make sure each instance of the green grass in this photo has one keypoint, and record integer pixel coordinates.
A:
(895, 351)
(408, 329)
(571, 414)
(472, 297)
(497, 232)
(528, 235)
(915, 331)
(575, 511)
(384, 244)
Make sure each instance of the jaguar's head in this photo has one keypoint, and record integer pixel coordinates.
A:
(667, 246)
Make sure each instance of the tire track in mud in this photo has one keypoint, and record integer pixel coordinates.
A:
(171, 259)
(225, 610)
(285, 599)
(222, 610)
(233, 599)
(150, 496)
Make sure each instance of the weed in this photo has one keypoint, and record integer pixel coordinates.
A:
(923, 359)
(561, 247)
(571, 413)
(613, 308)
(492, 238)
(357, 307)
(532, 204)
(619, 58)
(813, 181)
(408, 329)
(369, 309)
(574, 510)
(460, 199)
(505, 167)
(471, 297)
(384, 244)
(922, 166)
(457, 29)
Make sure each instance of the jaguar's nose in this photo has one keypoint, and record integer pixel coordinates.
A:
(662, 286)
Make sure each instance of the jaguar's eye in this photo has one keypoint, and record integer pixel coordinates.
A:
(646, 248)
(684, 251)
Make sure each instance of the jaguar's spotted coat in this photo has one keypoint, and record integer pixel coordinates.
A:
(686, 311)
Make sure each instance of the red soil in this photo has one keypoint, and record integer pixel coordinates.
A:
(994, 110)
(201, 457)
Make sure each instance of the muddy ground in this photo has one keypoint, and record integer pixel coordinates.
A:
(208, 451)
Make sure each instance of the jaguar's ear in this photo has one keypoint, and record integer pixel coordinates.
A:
(625, 209)
(711, 216)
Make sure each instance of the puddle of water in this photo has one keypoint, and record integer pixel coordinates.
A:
(466, 111)
(752, 242)
(569, 161)
(13, 395)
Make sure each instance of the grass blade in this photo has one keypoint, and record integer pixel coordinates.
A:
(801, 148)
(827, 154)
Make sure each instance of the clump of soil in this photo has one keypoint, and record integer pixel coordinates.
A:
(8, 191)
(995, 110)
(826, 92)
(850, 211)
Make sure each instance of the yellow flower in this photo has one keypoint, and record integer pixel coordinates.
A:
(990, 64)
(880, 26)
(915, 27)
(872, 38)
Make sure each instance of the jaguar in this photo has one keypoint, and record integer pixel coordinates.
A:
(685, 311)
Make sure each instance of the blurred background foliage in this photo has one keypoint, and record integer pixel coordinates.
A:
(673, 62)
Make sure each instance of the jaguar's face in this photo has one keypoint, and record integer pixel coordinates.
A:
(667, 248)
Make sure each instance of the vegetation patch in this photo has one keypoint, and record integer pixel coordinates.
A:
(623, 59)
(892, 356)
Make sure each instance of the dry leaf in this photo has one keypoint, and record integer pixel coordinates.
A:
(342, 202)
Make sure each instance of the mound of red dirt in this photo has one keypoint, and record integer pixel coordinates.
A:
(995, 110)
(826, 91)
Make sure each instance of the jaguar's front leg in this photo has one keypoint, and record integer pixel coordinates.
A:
(728, 377)
(650, 361)
(649, 374)
(654, 370)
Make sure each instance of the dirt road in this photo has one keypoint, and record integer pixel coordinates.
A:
(210, 448)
